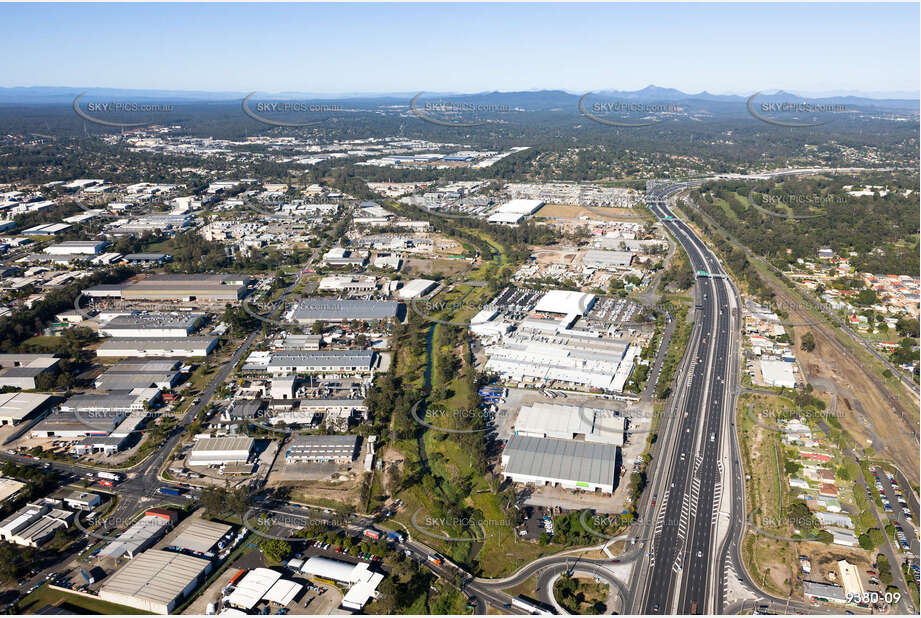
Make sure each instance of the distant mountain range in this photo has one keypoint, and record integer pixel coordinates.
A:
(528, 100)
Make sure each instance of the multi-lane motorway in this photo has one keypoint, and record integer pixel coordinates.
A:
(680, 572)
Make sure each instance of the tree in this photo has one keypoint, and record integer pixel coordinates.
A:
(275, 550)
(807, 342)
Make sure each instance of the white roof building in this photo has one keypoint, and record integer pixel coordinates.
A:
(777, 373)
(219, 451)
(565, 302)
(254, 585)
(417, 288)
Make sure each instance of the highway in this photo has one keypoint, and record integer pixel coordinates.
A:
(679, 573)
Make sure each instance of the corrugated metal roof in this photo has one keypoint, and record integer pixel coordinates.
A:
(586, 462)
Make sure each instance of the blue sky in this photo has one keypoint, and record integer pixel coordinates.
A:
(349, 48)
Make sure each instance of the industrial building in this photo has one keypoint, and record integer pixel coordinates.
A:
(339, 256)
(252, 588)
(820, 591)
(184, 347)
(606, 260)
(74, 247)
(564, 422)
(322, 449)
(567, 463)
(21, 370)
(211, 288)
(140, 536)
(417, 288)
(155, 581)
(565, 303)
(221, 451)
(348, 283)
(514, 211)
(35, 523)
(131, 374)
(152, 325)
(18, 407)
(315, 309)
(311, 361)
(777, 373)
(361, 580)
(200, 537)
(545, 358)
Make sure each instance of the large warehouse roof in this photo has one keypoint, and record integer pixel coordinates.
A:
(253, 587)
(566, 422)
(154, 580)
(566, 302)
(584, 462)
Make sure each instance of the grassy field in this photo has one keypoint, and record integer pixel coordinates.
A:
(73, 603)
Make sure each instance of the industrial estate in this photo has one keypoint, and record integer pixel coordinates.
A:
(503, 355)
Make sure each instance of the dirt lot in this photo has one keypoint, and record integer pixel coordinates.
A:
(445, 266)
(574, 212)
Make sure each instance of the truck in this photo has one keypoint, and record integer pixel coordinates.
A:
(112, 476)
(436, 559)
(105, 483)
(805, 564)
(88, 579)
(396, 537)
(371, 533)
(170, 491)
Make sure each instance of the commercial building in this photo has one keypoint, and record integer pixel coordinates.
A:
(211, 288)
(34, 524)
(543, 420)
(141, 535)
(82, 501)
(152, 325)
(850, 580)
(21, 370)
(417, 288)
(841, 520)
(18, 407)
(565, 302)
(339, 256)
(323, 449)
(361, 580)
(777, 373)
(311, 361)
(314, 309)
(184, 347)
(567, 463)
(220, 451)
(155, 581)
